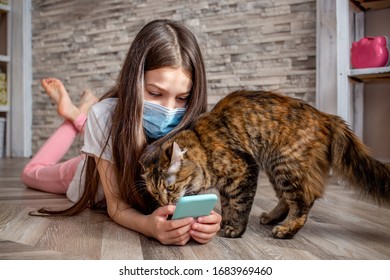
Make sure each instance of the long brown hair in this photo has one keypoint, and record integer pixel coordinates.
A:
(160, 43)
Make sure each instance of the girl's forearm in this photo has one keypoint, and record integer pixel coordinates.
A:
(118, 209)
(130, 218)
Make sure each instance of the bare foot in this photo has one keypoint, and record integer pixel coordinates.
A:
(56, 90)
(87, 100)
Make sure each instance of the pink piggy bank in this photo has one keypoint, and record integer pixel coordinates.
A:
(370, 52)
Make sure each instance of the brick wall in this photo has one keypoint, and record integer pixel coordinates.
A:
(261, 44)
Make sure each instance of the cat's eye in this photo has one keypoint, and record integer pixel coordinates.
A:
(170, 188)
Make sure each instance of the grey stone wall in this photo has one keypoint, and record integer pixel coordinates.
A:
(262, 44)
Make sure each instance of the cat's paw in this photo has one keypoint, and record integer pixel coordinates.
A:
(232, 232)
(265, 219)
(282, 232)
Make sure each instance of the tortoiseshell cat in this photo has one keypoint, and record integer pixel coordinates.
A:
(248, 131)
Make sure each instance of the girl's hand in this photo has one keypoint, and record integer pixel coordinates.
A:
(205, 228)
(174, 232)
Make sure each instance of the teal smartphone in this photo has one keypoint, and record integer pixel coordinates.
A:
(194, 206)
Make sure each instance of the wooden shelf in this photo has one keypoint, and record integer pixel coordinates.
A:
(366, 5)
(370, 74)
(4, 58)
(4, 8)
(4, 108)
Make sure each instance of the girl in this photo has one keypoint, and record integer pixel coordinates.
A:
(161, 88)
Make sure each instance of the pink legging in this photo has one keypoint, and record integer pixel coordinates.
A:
(45, 172)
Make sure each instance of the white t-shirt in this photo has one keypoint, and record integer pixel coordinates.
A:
(96, 132)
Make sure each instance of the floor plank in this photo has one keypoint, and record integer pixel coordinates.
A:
(339, 227)
(16, 251)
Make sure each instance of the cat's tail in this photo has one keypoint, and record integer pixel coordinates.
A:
(352, 160)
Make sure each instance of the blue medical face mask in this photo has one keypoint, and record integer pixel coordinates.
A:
(159, 120)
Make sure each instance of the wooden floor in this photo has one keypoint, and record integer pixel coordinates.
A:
(339, 227)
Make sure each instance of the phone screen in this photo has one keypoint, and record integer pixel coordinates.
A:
(195, 206)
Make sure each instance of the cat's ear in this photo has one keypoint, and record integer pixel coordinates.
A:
(176, 158)
(149, 156)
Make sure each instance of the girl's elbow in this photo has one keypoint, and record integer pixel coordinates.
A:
(112, 211)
